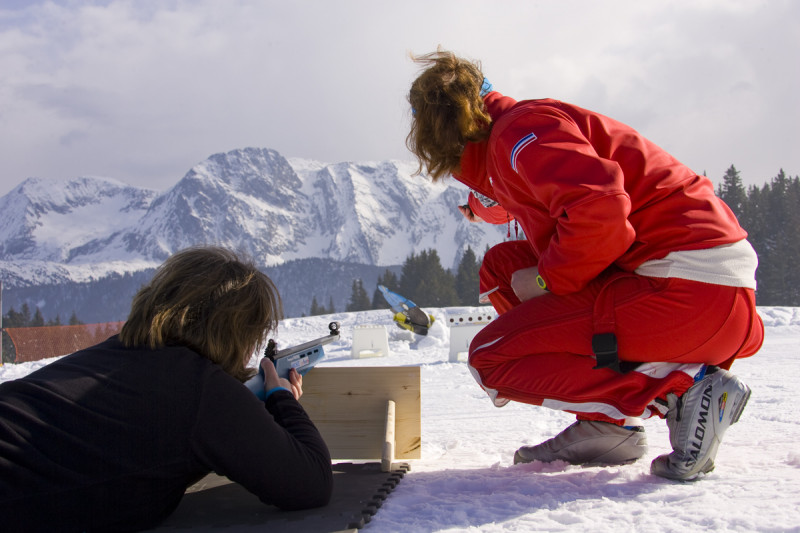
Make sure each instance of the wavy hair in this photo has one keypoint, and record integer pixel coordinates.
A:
(210, 300)
(447, 112)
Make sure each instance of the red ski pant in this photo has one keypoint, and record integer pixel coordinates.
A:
(540, 351)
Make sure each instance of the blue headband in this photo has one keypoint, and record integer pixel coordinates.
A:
(486, 88)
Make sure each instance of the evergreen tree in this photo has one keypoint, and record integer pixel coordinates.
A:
(13, 319)
(410, 276)
(777, 241)
(25, 316)
(359, 299)
(73, 320)
(388, 280)
(37, 320)
(9, 351)
(467, 282)
(732, 192)
(426, 283)
(316, 309)
(331, 308)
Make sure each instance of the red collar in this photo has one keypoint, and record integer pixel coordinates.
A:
(473, 172)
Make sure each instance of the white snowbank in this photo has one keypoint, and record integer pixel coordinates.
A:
(466, 481)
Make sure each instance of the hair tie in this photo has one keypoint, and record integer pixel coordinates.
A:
(486, 88)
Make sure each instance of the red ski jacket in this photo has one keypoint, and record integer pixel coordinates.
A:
(588, 191)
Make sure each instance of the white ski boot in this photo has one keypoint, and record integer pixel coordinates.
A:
(589, 443)
(697, 421)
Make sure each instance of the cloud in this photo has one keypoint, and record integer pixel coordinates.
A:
(142, 90)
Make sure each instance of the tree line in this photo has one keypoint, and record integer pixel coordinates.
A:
(24, 319)
(422, 280)
(770, 214)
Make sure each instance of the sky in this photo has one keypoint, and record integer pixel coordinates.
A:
(142, 90)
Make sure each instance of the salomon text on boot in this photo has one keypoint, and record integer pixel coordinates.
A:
(697, 420)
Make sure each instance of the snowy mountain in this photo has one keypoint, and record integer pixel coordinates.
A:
(253, 200)
(45, 223)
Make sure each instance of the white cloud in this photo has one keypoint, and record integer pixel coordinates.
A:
(142, 90)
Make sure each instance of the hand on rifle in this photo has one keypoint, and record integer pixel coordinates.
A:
(271, 380)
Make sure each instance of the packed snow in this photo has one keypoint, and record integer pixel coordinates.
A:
(466, 479)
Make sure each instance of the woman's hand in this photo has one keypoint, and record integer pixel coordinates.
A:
(271, 380)
(466, 210)
(523, 283)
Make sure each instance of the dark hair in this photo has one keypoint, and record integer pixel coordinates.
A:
(448, 112)
(210, 300)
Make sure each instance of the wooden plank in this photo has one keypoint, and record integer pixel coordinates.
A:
(387, 457)
(348, 405)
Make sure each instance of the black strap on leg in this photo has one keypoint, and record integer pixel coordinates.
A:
(604, 346)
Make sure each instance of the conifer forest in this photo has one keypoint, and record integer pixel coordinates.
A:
(770, 214)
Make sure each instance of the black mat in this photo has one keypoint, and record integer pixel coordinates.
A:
(215, 503)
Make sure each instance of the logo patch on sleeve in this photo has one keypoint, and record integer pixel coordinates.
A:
(522, 143)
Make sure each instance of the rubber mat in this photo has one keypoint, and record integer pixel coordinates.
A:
(215, 503)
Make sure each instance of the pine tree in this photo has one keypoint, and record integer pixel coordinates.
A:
(14, 319)
(388, 280)
(467, 279)
(359, 299)
(778, 244)
(38, 319)
(410, 276)
(316, 309)
(9, 321)
(25, 316)
(426, 283)
(73, 320)
(732, 192)
(9, 350)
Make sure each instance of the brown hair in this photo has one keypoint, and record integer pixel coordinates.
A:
(210, 300)
(448, 112)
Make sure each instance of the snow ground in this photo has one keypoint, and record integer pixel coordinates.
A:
(466, 481)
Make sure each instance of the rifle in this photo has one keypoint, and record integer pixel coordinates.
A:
(302, 358)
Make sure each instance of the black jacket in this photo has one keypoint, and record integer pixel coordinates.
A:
(110, 437)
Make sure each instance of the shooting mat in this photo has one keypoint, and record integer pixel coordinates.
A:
(215, 503)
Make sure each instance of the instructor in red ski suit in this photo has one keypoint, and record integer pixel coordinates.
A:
(633, 291)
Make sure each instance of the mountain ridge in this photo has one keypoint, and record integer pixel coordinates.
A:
(253, 200)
